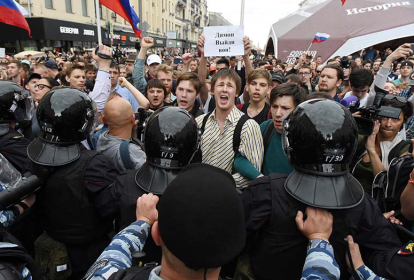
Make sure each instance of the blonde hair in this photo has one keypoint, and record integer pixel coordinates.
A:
(4, 74)
(164, 68)
(259, 73)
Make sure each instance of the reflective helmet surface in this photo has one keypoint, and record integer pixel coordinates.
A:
(320, 136)
(13, 105)
(171, 137)
(65, 116)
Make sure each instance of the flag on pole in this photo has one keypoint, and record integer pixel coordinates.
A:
(123, 9)
(320, 37)
(10, 14)
(343, 2)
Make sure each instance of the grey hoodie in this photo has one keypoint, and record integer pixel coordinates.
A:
(108, 145)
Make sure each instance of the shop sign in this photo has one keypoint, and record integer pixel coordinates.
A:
(88, 32)
(69, 30)
(133, 39)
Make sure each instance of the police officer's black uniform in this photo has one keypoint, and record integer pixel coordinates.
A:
(320, 138)
(171, 138)
(76, 202)
(15, 106)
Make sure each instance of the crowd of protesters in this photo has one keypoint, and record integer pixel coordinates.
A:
(239, 105)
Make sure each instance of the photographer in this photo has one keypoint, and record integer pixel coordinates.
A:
(381, 142)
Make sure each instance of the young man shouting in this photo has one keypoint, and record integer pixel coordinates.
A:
(218, 129)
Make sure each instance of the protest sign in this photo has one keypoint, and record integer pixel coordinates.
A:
(2, 52)
(223, 40)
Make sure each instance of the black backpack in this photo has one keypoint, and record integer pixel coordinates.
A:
(389, 185)
(236, 137)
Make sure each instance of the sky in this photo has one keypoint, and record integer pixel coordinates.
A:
(259, 15)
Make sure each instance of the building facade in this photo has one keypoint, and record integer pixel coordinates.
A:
(66, 24)
(217, 19)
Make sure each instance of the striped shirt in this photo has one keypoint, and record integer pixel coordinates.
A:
(217, 146)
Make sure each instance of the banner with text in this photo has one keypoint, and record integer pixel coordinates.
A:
(223, 40)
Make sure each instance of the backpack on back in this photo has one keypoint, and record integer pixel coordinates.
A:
(389, 185)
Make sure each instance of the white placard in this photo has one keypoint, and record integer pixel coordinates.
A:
(2, 52)
(223, 40)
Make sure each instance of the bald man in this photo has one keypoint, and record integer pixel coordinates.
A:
(119, 117)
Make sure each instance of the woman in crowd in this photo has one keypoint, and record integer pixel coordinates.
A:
(381, 142)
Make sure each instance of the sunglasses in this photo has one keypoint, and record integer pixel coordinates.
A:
(41, 86)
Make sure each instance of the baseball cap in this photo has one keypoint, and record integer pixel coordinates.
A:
(26, 62)
(278, 78)
(51, 64)
(309, 55)
(407, 63)
(213, 68)
(131, 58)
(32, 76)
(153, 59)
(213, 232)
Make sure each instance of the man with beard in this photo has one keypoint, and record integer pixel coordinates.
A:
(164, 74)
(129, 67)
(330, 79)
(376, 66)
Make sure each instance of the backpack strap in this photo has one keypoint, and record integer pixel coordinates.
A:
(203, 126)
(267, 136)
(125, 156)
(395, 152)
(237, 134)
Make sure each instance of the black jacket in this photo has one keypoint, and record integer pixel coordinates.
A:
(280, 249)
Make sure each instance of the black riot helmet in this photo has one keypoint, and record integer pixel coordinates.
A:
(15, 104)
(320, 138)
(171, 138)
(66, 116)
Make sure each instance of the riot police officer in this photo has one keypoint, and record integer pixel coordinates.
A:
(171, 138)
(15, 106)
(319, 138)
(75, 202)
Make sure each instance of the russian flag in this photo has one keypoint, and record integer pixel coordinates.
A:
(10, 14)
(123, 9)
(320, 37)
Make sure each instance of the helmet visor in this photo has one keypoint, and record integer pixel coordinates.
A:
(23, 106)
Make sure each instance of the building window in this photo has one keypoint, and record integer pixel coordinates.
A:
(49, 4)
(68, 6)
(100, 11)
(84, 8)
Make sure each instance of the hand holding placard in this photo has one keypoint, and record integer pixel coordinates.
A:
(224, 41)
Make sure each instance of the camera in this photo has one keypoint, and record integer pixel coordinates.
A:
(345, 63)
(373, 112)
(29, 184)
